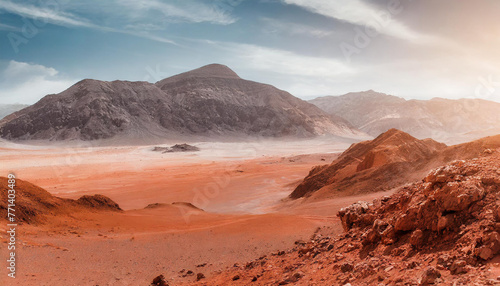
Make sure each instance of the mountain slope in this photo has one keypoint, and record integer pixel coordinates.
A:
(392, 159)
(212, 100)
(441, 119)
(388, 161)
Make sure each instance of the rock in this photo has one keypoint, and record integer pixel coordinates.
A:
(295, 277)
(352, 214)
(370, 237)
(200, 276)
(236, 277)
(444, 260)
(441, 178)
(456, 196)
(493, 241)
(300, 242)
(389, 235)
(429, 276)
(407, 221)
(458, 267)
(159, 281)
(488, 180)
(363, 270)
(484, 253)
(417, 239)
(347, 267)
(445, 222)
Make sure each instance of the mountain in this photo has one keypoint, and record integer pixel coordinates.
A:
(6, 109)
(392, 159)
(210, 101)
(388, 161)
(441, 119)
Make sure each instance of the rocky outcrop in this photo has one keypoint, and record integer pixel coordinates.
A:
(176, 148)
(98, 202)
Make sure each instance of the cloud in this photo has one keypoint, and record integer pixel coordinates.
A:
(181, 11)
(26, 83)
(137, 18)
(281, 61)
(5, 27)
(48, 14)
(360, 13)
(276, 26)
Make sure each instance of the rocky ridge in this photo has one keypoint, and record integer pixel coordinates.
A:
(389, 161)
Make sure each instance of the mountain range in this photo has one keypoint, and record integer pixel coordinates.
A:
(445, 120)
(211, 101)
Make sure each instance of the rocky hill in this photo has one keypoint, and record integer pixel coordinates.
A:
(392, 159)
(209, 101)
(444, 120)
(34, 204)
(443, 230)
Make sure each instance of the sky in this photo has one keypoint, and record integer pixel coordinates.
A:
(412, 49)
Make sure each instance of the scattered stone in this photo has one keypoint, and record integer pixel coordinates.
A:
(176, 148)
(347, 267)
(429, 276)
(458, 267)
(417, 239)
(200, 276)
(159, 281)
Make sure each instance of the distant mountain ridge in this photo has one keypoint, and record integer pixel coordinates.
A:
(6, 109)
(211, 100)
(438, 118)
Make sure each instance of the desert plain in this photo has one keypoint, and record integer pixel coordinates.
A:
(185, 212)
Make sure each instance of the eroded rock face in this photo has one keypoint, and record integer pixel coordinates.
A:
(449, 200)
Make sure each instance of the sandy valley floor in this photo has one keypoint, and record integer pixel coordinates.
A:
(242, 188)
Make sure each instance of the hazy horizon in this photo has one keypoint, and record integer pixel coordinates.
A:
(308, 48)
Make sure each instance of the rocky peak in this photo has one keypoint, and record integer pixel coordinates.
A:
(208, 71)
